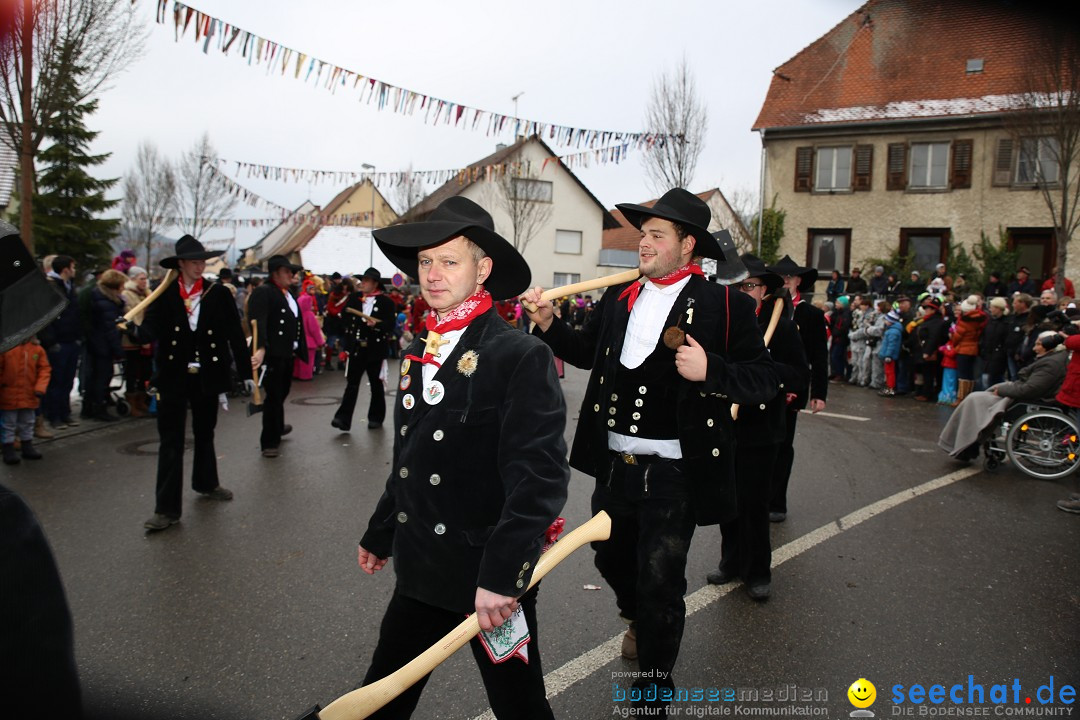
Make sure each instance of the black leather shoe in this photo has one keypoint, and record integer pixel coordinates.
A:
(759, 592)
(720, 577)
(777, 517)
(371, 425)
(286, 430)
(340, 425)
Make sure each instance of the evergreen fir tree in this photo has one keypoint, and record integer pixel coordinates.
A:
(68, 199)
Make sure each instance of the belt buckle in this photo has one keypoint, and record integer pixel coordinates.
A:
(629, 459)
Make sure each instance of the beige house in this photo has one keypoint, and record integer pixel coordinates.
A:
(888, 134)
(537, 204)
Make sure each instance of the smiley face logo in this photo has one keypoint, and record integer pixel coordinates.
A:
(862, 693)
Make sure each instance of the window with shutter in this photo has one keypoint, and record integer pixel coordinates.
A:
(804, 168)
(961, 164)
(896, 174)
(864, 163)
(1003, 161)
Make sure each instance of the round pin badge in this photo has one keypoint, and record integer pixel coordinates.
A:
(433, 393)
(405, 365)
(406, 381)
(408, 401)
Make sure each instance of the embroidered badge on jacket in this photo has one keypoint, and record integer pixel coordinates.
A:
(466, 364)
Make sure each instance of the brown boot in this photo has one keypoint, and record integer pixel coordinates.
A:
(629, 644)
(963, 389)
(41, 430)
(134, 401)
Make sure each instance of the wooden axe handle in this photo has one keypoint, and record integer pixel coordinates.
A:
(256, 395)
(354, 311)
(145, 303)
(586, 286)
(362, 702)
(777, 311)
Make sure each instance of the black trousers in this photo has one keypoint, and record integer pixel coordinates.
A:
(276, 385)
(515, 689)
(746, 550)
(785, 458)
(171, 419)
(644, 560)
(367, 361)
(931, 379)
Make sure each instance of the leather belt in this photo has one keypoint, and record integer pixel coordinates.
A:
(629, 459)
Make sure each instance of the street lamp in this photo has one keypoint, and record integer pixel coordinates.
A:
(371, 241)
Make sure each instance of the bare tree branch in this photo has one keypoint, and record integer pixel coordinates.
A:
(675, 110)
(201, 196)
(149, 196)
(1045, 127)
(527, 201)
(408, 193)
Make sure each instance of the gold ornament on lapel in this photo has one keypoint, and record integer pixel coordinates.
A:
(466, 364)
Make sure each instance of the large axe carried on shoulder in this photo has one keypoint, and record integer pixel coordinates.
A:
(729, 269)
(360, 703)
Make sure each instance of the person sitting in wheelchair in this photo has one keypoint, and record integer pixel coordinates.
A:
(981, 411)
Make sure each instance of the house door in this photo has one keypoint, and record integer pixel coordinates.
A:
(1038, 251)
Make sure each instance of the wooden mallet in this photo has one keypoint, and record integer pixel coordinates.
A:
(585, 286)
(362, 702)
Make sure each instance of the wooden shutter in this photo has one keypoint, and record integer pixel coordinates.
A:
(804, 169)
(1003, 162)
(896, 175)
(960, 173)
(864, 164)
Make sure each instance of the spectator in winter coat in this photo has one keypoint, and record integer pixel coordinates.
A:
(24, 376)
(1048, 284)
(969, 328)
(995, 288)
(103, 346)
(62, 340)
(915, 286)
(304, 370)
(835, 288)
(1022, 283)
(1021, 307)
(839, 326)
(889, 352)
(1039, 382)
(929, 334)
(879, 284)
(893, 287)
(992, 344)
(856, 283)
(138, 358)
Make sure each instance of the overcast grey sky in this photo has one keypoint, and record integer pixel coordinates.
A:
(582, 64)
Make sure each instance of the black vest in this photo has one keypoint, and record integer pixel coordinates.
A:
(643, 400)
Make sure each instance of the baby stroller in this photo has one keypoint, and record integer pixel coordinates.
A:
(115, 395)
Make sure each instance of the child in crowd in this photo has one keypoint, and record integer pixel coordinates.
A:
(24, 376)
(949, 380)
(889, 352)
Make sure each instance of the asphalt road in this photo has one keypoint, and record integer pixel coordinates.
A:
(256, 609)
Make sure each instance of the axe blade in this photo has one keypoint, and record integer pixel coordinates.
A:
(312, 713)
(730, 270)
(253, 408)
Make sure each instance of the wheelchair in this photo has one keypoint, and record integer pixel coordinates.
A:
(1041, 440)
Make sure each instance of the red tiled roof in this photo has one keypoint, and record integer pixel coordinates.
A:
(899, 59)
(626, 236)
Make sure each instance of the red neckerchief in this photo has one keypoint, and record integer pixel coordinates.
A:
(796, 298)
(196, 291)
(335, 303)
(458, 318)
(634, 289)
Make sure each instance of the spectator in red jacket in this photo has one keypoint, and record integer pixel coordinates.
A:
(1048, 284)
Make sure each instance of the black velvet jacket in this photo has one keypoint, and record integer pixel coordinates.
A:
(278, 327)
(740, 370)
(477, 478)
(217, 340)
(765, 423)
(811, 323)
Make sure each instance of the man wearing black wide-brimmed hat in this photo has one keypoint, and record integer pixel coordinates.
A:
(746, 551)
(479, 471)
(198, 333)
(655, 426)
(368, 321)
(799, 282)
(281, 338)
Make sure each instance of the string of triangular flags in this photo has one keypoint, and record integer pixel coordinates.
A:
(258, 50)
(394, 178)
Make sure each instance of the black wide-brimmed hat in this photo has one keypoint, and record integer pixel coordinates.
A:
(786, 266)
(755, 266)
(682, 207)
(274, 262)
(510, 274)
(188, 248)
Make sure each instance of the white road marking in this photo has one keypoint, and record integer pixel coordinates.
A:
(592, 661)
(836, 415)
